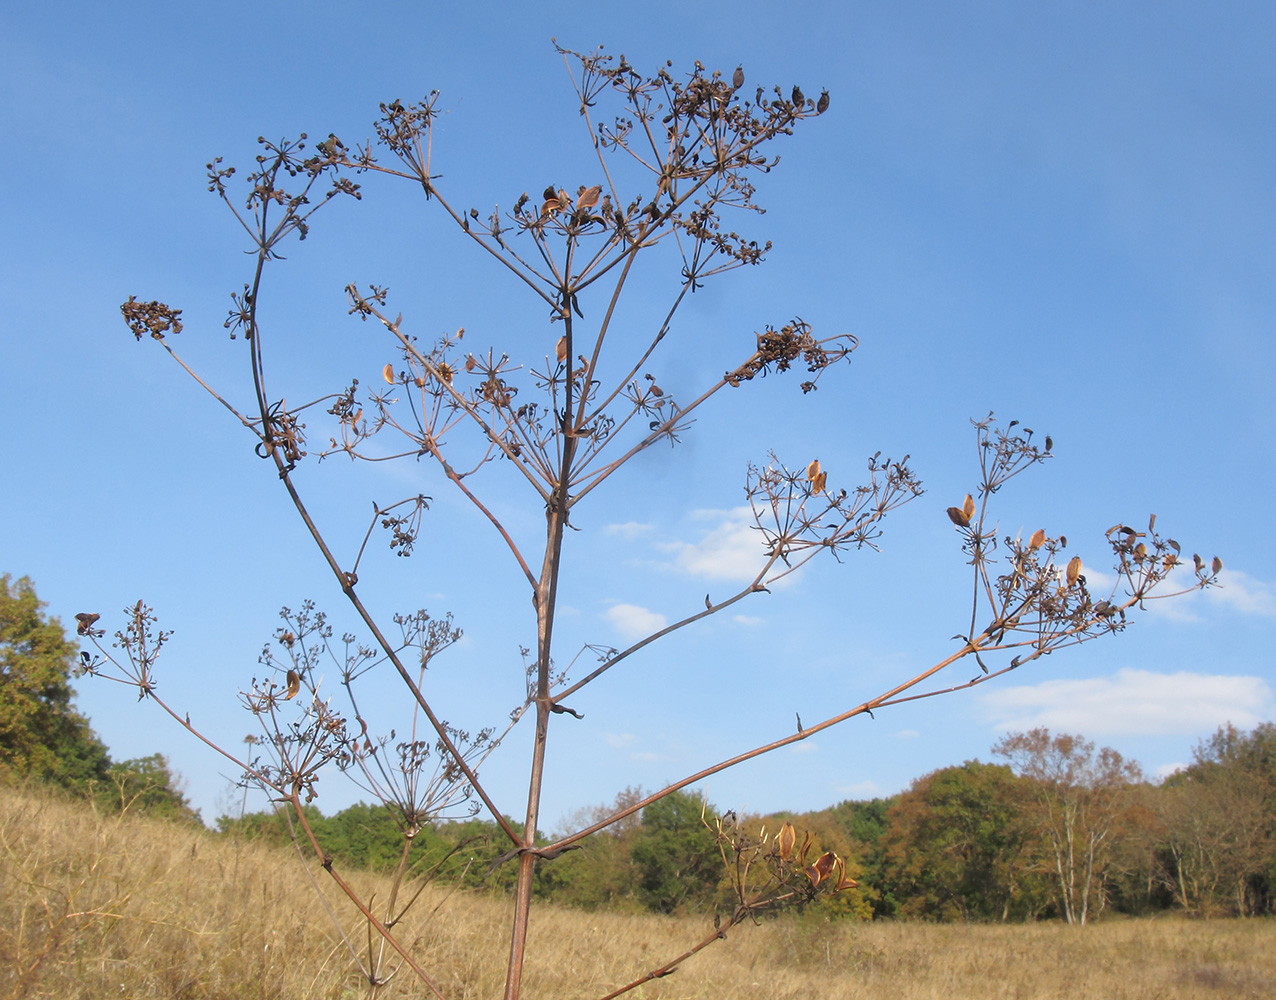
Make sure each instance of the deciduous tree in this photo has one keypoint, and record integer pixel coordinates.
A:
(1079, 796)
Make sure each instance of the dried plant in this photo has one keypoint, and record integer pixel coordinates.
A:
(694, 146)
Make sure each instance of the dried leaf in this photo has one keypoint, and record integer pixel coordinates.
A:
(294, 684)
(387, 373)
(1074, 570)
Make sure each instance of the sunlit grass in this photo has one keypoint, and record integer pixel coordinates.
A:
(98, 906)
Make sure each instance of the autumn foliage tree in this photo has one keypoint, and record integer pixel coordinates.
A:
(669, 159)
(1078, 797)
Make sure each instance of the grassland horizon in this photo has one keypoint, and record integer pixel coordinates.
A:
(93, 905)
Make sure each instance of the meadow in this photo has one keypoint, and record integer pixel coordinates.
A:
(95, 905)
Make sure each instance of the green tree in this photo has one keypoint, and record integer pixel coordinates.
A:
(677, 862)
(42, 736)
(957, 846)
(1219, 820)
(146, 784)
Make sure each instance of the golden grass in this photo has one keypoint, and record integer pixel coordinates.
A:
(94, 906)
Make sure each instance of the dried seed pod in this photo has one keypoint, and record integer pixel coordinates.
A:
(798, 99)
(737, 78)
(958, 517)
(86, 620)
(1074, 570)
(787, 840)
(589, 196)
(822, 104)
(387, 373)
(294, 684)
(1037, 540)
(561, 350)
(813, 470)
(968, 508)
(1217, 565)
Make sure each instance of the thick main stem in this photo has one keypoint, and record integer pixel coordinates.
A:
(546, 598)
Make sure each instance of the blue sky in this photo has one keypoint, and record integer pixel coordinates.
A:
(1065, 215)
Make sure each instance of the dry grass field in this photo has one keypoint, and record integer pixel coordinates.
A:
(94, 906)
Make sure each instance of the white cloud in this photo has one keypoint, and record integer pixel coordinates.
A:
(731, 550)
(634, 622)
(1237, 592)
(1242, 592)
(1133, 702)
(746, 620)
(804, 746)
(907, 734)
(618, 740)
(629, 530)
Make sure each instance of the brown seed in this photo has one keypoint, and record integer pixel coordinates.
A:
(968, 508)
(561, 349)
(737, 78)
(387, 373)
(589, 197)
(294, 684)
(1038, 539)
(958, 517)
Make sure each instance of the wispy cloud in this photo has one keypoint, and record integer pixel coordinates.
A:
(746, 620)
(907, 734)
(1237, 592)
(618, 740)
(634, 622)
(1133, 702)
(730, 550)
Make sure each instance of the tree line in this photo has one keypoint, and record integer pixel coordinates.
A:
(1059, 829)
